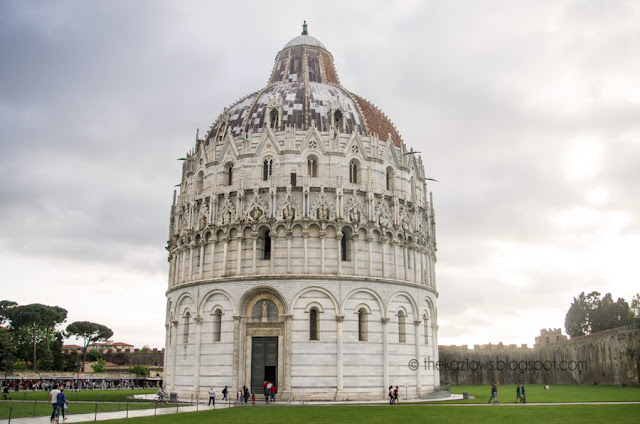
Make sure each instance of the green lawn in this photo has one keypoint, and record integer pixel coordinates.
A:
(556, 393)
(32, 408)
(84, 395)
(402, 414)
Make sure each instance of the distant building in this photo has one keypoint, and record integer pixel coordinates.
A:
(72, 348)
(110, 346)
(548, 336)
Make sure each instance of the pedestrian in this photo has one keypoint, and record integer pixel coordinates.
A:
(246, 394)
(5, 391)
(494, 393)
(390, 395)
(395, 396)
(524, 397)
(267, 393)
(53, 401)
(225, 392)
(274, 390)
(518, 394)
(253, 397)
(239, 395)
(212, 397)
(62, 403)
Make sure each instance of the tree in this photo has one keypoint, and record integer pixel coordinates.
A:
(90, 332)
(29, 316)
(53, 316)
(5, 310)
(94, 354)
(139, 371)
(7, 351)
(99, 366)
(590, 314)
(635, 308)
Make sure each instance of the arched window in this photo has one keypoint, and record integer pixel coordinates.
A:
(402, 327)
(426, 329)
(390, 178)
(273, 118)
(312, 167)
(185, 327)
(337, 119)
(199, 182)
(346, 244)
(353, 172)
(343, 248)
(267, 166)
(217, 325)
(267, 245)
(313, 324)
(362, 325)
(229, 173)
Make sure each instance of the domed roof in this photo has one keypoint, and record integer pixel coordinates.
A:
(305, 40)
(305, 87)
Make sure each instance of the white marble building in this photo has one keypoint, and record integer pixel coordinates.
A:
(302, 246)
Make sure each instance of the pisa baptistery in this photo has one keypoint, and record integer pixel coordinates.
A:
(302, 246)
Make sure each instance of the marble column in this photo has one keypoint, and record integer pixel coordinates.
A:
(369, 240)
(287, 352)
(174, 348)
(416, 324)
(354, 242)
(254, 237)
(236, 364)
(339, 357)
(305, 237)
(196, 365)
(190, 263)
(394, 243)
(272, 257)
(322, 236)
(224, 256)
(213, 262)
(289, 235)
(201, 274)
(339, 236)
(383, 242)
(385, 353)
(239, 258)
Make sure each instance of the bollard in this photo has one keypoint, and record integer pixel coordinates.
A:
(10, 410)
(127, 409)
(95, 417)
(177, 405)
(155, 407)
(191, 400)
(35, 403)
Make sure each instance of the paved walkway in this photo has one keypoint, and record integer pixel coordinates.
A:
(102, 416)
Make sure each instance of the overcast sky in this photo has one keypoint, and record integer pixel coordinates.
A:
(528, 113)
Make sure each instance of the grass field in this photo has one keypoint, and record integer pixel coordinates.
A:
(29, 404)
(403, 414)
(558, 393)
(84, 395)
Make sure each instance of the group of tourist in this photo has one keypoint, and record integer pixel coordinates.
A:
(520, 395)
(270, 391)
(393, 395)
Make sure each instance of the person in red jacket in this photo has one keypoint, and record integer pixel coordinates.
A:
(274, 390)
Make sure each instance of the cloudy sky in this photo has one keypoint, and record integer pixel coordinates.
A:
(528, 113)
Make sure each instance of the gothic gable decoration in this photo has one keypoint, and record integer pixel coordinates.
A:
(227, 213)
(256, 211)
(383, 214)
(354, 212)
(289, 210)
(405, 219)
(322, 210)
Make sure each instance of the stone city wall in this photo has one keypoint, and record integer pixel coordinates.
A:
(601, 358)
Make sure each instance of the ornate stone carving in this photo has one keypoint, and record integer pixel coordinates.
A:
(227, 211)
(257, 211)
(289, 209)
(354, 212)
(322, 210)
